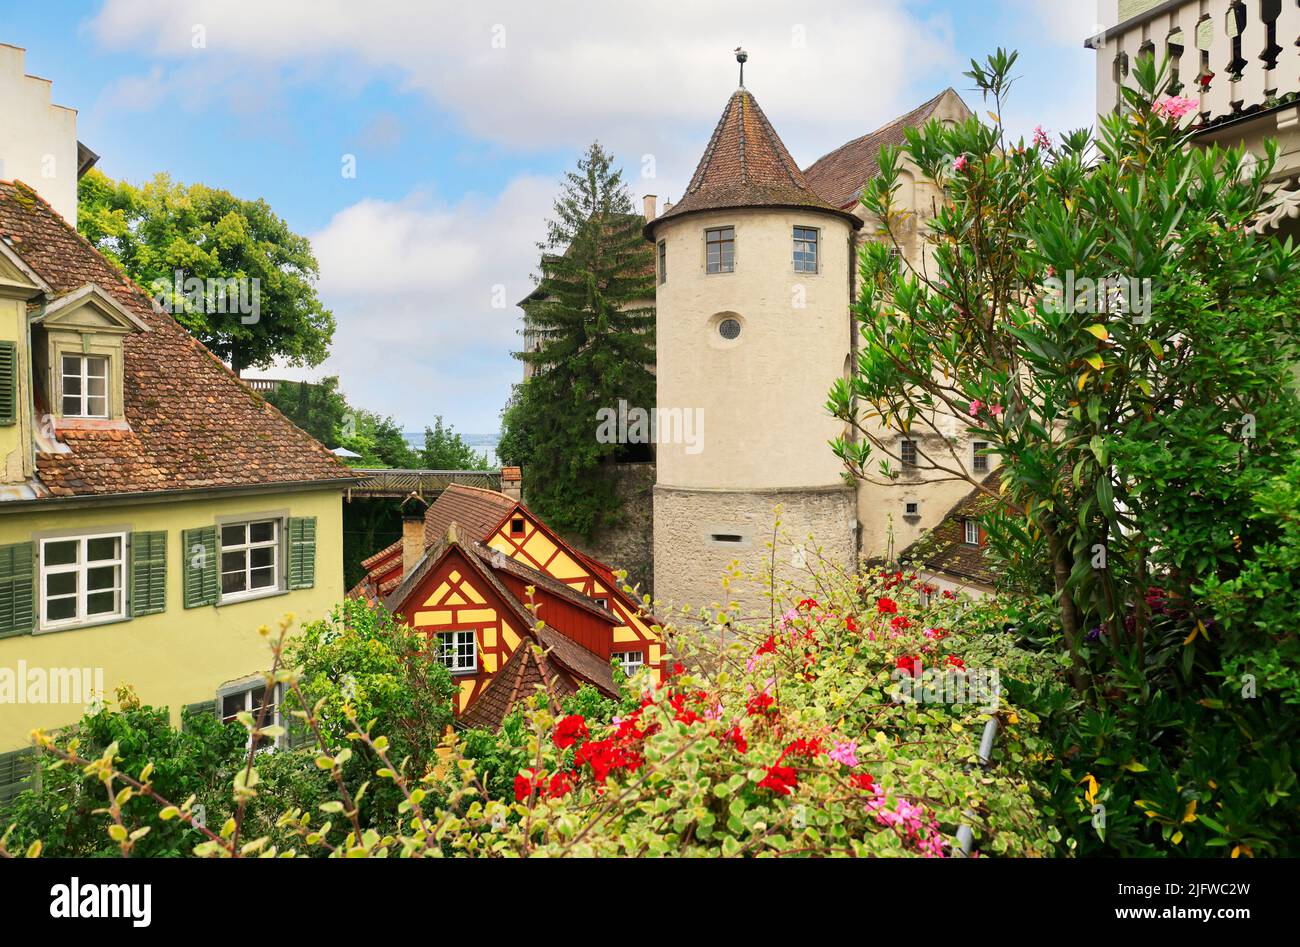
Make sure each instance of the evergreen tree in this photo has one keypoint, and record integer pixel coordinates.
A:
(593, 322)
(446, 449)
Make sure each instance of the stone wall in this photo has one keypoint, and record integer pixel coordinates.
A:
(700, 533)
(629, 545)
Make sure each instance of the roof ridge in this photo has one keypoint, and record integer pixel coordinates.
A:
(886, 126)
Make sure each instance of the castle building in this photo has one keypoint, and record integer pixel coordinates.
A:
(756, 272)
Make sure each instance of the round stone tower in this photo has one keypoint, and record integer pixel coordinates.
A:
(752, 329)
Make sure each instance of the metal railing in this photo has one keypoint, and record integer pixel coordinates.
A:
(423, 483)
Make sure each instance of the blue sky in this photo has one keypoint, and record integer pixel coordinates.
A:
(462, 117)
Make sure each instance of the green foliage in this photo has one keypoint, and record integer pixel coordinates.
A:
(445, 449)
(162, 227)
(67, 812)
(362, 662)
(1143, 434)
(319, 408)
(593, 322)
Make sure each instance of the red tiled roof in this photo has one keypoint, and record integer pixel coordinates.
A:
(192, 424)
(517, 680)
(745, 165)
(944, 549)
(839, 176)
(475, 511)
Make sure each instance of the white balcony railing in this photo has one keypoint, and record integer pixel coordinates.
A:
(1234, 56)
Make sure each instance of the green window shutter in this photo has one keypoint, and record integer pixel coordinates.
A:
(17, 589)
(203, 708)
(148, 573)
(8, 383)
(199, 566)
(16, 770)
(302, 552)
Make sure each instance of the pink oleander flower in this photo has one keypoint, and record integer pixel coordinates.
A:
(846, 752)
(1040, 138)
(1175, 107)
(995, 410)
(961, 164)
(975, 407)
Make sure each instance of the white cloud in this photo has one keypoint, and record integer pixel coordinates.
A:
(534, 74)
(412, 286)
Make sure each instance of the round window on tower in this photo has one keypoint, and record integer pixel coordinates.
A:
(725, 329)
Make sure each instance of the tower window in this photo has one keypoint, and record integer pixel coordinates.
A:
(907, 453)
(517, 526)
(720, 250)
(729, 329)
(805, 250)
(663, 262)
(980, 462)
(727, 538)
(911, 509)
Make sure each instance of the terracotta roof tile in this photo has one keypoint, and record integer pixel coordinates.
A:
(839, 176)
(944, 548)
(193, 424)
(745, 165)
(474, 510)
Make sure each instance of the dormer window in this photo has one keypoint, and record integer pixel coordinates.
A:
(84, 386)
(77, 349)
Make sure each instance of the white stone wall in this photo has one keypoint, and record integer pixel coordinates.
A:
(38, 140)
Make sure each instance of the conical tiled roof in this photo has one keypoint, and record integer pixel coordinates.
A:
(746, 165)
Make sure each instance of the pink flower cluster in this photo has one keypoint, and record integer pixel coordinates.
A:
(917, 826)
(1175, 107)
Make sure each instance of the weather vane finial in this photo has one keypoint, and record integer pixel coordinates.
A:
(741, 57)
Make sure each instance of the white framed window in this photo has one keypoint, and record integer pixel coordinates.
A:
(84, 386)
(250, 559)
(630, 661)
(912, 509)
(458, 650)
(980, 460)
(663, 261)
(252, 698)
(972, 533)
(805, 249)
(602, 602)
(82, 580)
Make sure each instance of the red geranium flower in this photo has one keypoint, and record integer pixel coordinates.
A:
(561, 785)
(899, 622)
(762, 704)
(850, 624)
(768, 646)
(570, 730)
(956, 662)
(524, 785)
(887, 606)
(805, 748)
(807, 603)
(863, 781)
(737, 739)
(909, 664)
(782, 780)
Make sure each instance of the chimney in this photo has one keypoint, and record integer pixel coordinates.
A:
(668, 205)
(413, 509)
(648, 205)
(512, 482)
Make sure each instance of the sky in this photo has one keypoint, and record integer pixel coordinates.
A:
(460, 118)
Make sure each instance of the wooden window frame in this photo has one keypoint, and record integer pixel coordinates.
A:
(721, 243)
(800, 238)
(275, 544)
(83, 378)
(629, 666)
(455, 665)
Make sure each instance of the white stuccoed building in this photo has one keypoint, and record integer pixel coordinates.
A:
(756, 272)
